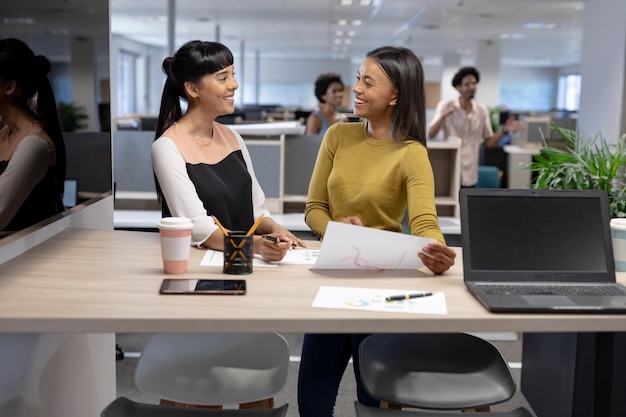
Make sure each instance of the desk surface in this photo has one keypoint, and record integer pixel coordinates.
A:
(107, 281)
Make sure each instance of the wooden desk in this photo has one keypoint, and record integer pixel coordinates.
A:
(108, 281)
(105, 281)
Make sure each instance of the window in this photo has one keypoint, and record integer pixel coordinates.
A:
(569, 92)
(127, 80)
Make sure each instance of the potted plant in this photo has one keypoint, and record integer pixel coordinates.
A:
(72, 117)
(584, 164)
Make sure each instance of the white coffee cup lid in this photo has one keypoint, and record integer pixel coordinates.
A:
(618, 224)
(175, 223)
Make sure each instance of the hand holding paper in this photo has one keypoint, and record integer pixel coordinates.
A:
(347, 246)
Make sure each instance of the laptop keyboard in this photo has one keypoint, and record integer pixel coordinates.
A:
(585, 290)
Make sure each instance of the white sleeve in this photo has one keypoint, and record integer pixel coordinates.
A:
(178, 190)
(26, 168)
(258, 197)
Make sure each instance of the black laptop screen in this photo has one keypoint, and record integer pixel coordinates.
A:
(551, 233)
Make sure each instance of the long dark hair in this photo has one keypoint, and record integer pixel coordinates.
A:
(190, 63)
(19, 63)
(405, 71)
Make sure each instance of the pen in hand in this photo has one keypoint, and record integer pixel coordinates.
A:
(271, 238)
(277, 240)
(408, 296)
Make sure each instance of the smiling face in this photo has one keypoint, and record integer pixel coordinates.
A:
(215, 93)
(468, 86)
(375, 94)
(334, 94)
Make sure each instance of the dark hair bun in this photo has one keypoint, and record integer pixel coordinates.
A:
(42, 65)
(167, 66)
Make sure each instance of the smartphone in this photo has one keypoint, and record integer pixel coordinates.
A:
(203, 286)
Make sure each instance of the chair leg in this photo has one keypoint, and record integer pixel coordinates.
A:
(177, 404)
(477, 410)
(267, 403)
(385, 404)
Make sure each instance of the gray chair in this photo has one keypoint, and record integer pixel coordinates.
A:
(434, 372)
(208, 370)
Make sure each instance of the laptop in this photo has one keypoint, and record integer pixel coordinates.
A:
(539, 251)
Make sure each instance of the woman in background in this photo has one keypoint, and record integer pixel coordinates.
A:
(329, 92)
(202, 168)
(367, 174)
(32, 151)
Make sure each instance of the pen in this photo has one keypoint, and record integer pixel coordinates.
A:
(217, 222)
(255, 225)
(271, 238)
(408, 296)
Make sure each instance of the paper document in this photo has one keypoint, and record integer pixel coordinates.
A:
(374, 299)
(301, 256)
(347, 246)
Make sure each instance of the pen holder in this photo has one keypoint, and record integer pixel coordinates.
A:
(238, 253)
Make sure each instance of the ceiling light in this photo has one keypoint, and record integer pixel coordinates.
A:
(351, 33)
(365, 2)
(516, 36)
(346, 2)
(339, 33)
(18, 21)
(347, 41)
(356, 22)
(337, 41)
(538, 25)
(342, 22)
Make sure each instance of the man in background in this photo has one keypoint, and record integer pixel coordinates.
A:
(469, 120)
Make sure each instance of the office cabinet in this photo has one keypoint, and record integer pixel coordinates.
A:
(446, 164)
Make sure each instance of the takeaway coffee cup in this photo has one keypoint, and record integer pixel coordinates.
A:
(175, 243)
(238, 253)
(618, 232)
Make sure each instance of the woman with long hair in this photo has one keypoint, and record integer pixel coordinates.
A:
(203, 169)
(368, 174)
(32, 151)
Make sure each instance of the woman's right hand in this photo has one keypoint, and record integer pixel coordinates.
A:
(270, 251)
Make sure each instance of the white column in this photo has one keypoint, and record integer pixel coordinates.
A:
(83, 76)
(451, 64)
(603, 69)
(488, 65)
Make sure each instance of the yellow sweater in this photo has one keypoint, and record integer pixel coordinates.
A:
(374, 180)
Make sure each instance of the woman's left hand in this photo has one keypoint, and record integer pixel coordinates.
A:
(437, 257)
(286, 236)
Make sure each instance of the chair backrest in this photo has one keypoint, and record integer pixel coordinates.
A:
(213, 369)
(488, 177)
(435, 371)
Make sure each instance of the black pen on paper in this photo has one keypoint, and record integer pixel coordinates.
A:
(401, 297)
(277, 240)
(271, 238)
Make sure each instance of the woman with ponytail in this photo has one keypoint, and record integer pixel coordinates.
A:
(202, 168)
(32, 152)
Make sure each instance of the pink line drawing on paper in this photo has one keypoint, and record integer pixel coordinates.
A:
(361, 262)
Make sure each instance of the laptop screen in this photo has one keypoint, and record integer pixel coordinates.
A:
(537, 235)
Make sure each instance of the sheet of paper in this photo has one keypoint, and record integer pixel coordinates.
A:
(373, 299)
(347, 246)
(293, 257)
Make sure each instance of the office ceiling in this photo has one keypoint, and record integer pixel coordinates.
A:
(532, 32)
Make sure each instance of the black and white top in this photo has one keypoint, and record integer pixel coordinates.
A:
(28, 187)
(200, 180)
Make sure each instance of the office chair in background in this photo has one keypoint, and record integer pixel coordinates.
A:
(191, 372)
(489, 177)
(434, 372)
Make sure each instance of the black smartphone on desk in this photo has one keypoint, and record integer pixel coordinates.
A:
(203, 286)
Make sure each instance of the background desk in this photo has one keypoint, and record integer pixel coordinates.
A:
(101, 281)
